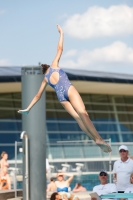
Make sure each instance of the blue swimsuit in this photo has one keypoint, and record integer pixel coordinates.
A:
(65, 189)
(62, 86)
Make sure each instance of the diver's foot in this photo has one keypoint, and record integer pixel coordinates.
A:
(104, 146)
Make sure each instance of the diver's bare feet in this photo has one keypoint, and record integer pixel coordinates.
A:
(103, 145)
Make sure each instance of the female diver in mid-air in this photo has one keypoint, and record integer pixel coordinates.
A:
(67, 95)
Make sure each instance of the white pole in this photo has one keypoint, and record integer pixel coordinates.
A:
(15, 180)
(26, 166)
(110, 162)
(26, 190)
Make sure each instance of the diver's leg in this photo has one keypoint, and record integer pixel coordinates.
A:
(79, 107)
(68, 107)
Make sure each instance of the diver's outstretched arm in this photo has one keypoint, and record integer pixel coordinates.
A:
(35, 99)
(59, 48)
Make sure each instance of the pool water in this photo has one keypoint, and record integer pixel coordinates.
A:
(88, 181)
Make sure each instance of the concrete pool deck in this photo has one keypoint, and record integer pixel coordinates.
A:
(10, 194)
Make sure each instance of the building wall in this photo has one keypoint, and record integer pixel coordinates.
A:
(112, 116)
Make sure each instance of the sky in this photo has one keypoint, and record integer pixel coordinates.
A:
(98, 34)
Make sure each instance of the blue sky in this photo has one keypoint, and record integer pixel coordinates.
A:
(98, 35)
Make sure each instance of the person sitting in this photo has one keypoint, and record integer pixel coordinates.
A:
(104, 187)
(51, 186)
(130, 188)
(63, 196)
(61, 184)
(79, 188)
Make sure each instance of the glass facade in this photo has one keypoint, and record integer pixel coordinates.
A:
(112, 116)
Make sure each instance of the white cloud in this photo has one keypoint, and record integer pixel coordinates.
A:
(71, 53)
(99, 22)
(2, 12)
(5, 62)
(107, 58)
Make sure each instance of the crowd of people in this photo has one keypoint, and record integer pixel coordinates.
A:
(59, 187)
(122, 180)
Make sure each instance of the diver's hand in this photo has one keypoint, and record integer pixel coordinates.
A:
(59, 28)
(26, 111)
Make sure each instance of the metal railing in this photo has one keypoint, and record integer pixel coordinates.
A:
(17, 144)
(24, 137)
(93, 161)
(19, 168)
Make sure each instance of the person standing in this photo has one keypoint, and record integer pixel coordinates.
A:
(122, 169)
(4, 176)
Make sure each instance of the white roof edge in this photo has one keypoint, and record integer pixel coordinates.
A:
(14, 71)
(100, 74)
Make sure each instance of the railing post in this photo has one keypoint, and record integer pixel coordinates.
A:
(26, 193)
(15, 180)
(110, 163)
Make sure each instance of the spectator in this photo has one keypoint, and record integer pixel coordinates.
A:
(4, 182)
(61, 184)
(122, 169)
(130, 188)
(79, 188)
(51, 186)
(63, 195)
(104, 187)
(4, 170)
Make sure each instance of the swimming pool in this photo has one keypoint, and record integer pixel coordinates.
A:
(88, 181)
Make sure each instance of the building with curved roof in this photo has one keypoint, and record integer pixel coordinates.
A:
(108, 98)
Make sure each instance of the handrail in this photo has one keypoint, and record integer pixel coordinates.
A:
(117, 195)
(25, 138)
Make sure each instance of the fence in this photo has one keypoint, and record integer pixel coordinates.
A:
(82, 158)
(15, 169)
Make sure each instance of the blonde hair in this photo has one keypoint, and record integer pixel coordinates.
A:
(131, 177)
(3, 153)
